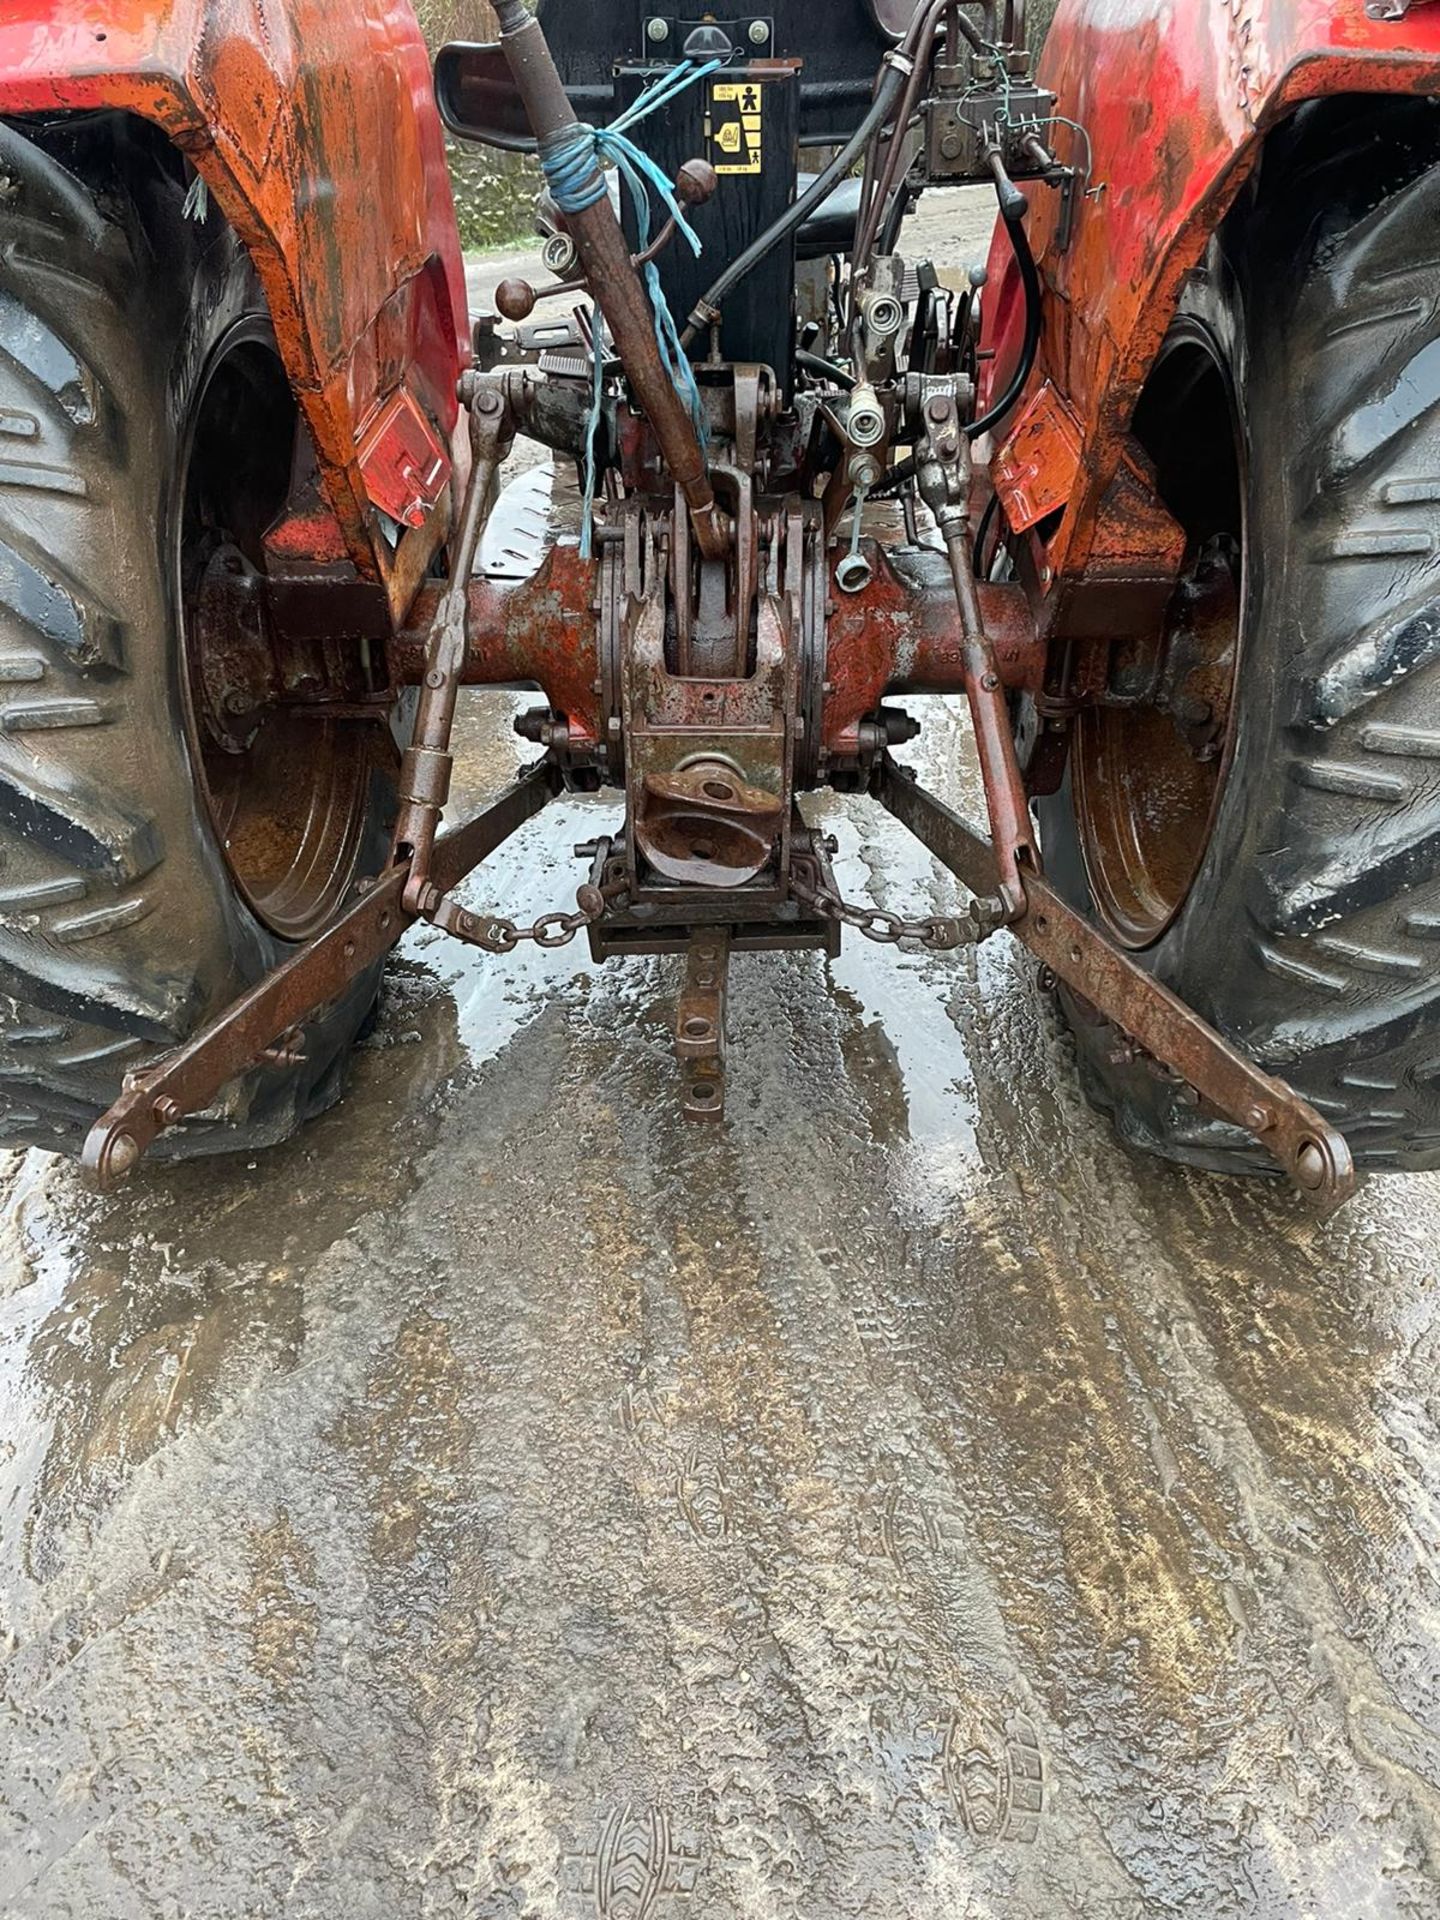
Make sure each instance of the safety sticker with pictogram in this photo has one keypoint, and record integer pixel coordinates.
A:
(735, 126)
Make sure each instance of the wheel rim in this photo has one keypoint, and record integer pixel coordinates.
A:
(287, 794)
(1149, 775)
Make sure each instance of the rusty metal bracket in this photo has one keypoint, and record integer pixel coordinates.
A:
(268, 1021)
(1311, 1152)
(700, 1023)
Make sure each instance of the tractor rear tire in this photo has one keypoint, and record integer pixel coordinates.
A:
(1310, 932)
(122, 924)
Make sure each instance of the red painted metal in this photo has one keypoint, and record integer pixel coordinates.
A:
(314, 127)
(1035, 474)
(541, 631)
(902, 635)
(1177, 101)
(403, 463)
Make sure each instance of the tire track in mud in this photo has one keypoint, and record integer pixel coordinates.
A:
(1239, 1596)
(895, 1501)
(821, 1697)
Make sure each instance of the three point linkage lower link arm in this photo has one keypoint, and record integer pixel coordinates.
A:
(1008, 883)
(417, 884)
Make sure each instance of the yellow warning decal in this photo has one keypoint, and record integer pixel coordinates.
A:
(735, 126)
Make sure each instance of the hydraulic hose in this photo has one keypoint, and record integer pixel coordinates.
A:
(982, 535)
(880, 188)
(1013, 208)
(824, 369)
(892, 82)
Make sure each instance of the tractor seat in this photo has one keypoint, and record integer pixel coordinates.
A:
(831, 228)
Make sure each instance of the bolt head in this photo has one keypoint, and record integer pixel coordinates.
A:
(657, 31)
(759, 33)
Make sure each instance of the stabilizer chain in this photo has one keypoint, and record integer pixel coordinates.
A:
(937, 933)
(552, 931)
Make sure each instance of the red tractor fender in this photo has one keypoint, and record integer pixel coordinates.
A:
(1177, 101)
(314, 127)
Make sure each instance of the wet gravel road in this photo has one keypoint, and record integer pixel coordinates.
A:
(508, 1501)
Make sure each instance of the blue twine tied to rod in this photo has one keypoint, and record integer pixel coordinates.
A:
(574, 174)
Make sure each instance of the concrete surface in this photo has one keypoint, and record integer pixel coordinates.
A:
(507, 1501)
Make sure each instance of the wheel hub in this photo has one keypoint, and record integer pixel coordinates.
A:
(1150, 761)
(285, 732)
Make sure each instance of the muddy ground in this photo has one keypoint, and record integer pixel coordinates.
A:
(897, 1501)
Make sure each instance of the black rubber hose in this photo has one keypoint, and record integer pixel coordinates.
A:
(987, 520)
(900, 203)
(899, 477)
(881, 107)
(1013, 208)
(824, 369)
